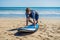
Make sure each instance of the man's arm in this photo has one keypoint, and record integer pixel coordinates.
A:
(27, 16)
(26, 21)
(34, 21)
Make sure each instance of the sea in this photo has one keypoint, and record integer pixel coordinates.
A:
(19, 12)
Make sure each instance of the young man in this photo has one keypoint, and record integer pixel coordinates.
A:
(31, 14)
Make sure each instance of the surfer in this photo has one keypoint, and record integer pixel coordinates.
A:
(31, 14)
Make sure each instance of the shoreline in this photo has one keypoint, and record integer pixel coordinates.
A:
(25, 18)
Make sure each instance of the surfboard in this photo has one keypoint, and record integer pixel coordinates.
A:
(29, 28)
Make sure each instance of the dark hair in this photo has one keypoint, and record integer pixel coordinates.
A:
(27, 9)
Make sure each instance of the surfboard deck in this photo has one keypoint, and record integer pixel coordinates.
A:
(29, 28)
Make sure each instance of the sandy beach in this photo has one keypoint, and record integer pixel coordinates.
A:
(49, 29)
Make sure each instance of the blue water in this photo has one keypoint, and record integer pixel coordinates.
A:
(34, 8)
(23, 15)
(19, 12)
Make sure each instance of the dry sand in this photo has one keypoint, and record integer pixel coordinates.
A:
(49, 29)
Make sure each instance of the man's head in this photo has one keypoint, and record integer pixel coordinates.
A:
(28, 10)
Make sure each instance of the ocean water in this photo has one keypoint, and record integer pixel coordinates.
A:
(19, 12)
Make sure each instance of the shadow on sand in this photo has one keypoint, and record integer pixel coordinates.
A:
(21, 33)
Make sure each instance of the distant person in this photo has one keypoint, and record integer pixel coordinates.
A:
(31, 14)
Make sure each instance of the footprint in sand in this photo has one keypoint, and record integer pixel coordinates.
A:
(50, 36)
(58, 30)
(46, 39)
(57, 38)
(43, 28)
(19, 38)
(54, 29)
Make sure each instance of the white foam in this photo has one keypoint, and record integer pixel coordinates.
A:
(23, 12)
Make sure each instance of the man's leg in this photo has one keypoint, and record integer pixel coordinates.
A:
(30, 21)
(33, 22)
